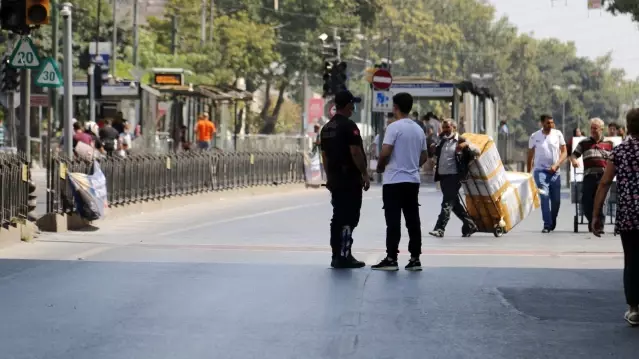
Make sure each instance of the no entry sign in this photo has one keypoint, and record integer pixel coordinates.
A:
(382, 79)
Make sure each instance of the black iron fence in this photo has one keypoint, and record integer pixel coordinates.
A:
(14, 188)
(150, 177)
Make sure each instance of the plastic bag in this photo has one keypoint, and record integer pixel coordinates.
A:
(89, 193)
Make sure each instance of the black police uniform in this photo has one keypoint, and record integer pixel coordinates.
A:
(344, 181)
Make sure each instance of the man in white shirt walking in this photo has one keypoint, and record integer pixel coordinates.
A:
(546, 153)
(403, 153)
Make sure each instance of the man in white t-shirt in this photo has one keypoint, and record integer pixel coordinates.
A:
(546, 153)
(403, 153)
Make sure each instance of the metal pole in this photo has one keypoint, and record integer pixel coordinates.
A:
(390, 61)
(114, 42)
(174, 34)
(91, 71)
(306, 101)
(203, 24)
(563, 119)
(338, 44)
(97, 28)
(68, 77)
(25, 113)
(53, 98)
(11, 125)
(136, 36)
(211, 20)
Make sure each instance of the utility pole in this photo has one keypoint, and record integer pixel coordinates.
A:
(136, 36)
(25, 113)
(338, 44)
(203, 24)
(53, 92)
(114, 42)
(174, 34)
(91, 82)
(211, 20)
(68, 77)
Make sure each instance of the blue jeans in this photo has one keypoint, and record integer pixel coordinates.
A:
(549, 185)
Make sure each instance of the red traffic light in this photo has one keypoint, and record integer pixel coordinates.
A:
(37, 12)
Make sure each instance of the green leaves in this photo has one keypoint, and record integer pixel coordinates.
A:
(624, 7)
(444, 40)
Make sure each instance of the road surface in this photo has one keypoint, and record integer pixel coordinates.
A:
(249, 278)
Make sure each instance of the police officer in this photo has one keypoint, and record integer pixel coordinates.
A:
(347, 174)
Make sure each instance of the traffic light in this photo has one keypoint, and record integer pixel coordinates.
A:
(12, 16)
(10, 76)
(97, 81)
(339, 77)
(328, 81)
(329, 53)
(37, 12)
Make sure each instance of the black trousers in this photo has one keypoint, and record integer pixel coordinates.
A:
(347, 203)
(588, 191)
(630, 242)
(402, 198)
(450, 185)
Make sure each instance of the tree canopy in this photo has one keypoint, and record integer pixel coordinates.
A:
(444, 40)
(623, 7)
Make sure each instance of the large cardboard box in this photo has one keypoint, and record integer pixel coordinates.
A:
(487, 172)
(514, 204)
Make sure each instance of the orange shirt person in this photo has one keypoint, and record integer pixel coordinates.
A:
(205, 130)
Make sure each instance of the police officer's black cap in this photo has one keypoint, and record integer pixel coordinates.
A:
(343, 98)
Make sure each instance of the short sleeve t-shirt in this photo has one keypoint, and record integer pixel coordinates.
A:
(547, 148)
(205, 130)
(335, 140)
(408, 141)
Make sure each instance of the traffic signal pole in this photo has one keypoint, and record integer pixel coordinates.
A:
(25, 114)
(68, 78)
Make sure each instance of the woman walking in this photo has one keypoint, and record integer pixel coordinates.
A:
(624, 164)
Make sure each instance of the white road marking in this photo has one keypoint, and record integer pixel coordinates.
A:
(248, 216)
(90, 252)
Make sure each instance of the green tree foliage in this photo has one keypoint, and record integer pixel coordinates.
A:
(624, 7)
(443, 40)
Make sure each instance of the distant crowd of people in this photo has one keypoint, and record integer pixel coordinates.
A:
(106, 137)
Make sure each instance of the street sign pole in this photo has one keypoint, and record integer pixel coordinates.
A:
(68, 78)
(25, 113)
(11, 96)
(91, 83)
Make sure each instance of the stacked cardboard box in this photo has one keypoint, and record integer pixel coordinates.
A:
(495, 197)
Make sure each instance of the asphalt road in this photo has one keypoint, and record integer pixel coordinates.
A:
(249, 278)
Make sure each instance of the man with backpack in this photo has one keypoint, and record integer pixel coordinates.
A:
(109, 137)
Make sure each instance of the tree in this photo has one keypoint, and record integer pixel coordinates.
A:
(623, 7)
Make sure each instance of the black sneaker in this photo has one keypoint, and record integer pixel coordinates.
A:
(414, 265)
(346, 263)
(387, 264)
(554, 225)
(545, 230)
(437, 233)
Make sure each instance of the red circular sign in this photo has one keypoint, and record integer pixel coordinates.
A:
(331, 110)
(382, 79)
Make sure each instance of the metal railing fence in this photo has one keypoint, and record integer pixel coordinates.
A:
(14, 188)
(145, 177)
